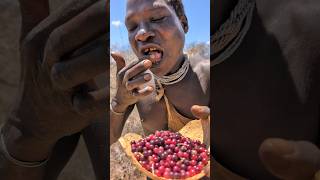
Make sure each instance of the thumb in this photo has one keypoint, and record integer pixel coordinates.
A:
(290, 159)
(121, 63)
(200, 112)
(203, 113)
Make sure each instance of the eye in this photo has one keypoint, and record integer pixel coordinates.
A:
(131, 28)
(158, 19)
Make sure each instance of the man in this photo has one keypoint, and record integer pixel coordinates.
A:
(164, 83)
(61, 53)
(266, 89)
(156, 34)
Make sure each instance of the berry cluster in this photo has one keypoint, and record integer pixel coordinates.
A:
(170, 155)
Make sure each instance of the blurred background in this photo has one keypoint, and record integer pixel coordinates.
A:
(79, 168)
(197, 42)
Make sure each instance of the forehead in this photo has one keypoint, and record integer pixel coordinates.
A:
(139, 6)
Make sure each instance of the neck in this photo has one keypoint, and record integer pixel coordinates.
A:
(221, 12)
(177, 65)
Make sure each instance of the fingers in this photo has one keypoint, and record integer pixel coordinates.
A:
(207, 170)
(136, 69)
(92, 104)
(32, 12)
(138, 81)
(82, 28)
(121, 63)
(74, 71)
(290, 159)
(142, 92)
(39, 34)
(200, 112)
(203, 113)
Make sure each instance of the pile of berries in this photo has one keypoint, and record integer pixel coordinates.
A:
(170, 155)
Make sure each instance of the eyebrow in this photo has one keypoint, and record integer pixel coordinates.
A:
(156, 8)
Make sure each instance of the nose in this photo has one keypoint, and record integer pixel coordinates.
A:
(144, 34)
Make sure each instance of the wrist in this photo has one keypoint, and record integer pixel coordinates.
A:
(118, 107)
(23, 147)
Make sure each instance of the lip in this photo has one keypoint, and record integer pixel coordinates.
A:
(147, 46)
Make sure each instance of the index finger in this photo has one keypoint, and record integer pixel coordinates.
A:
(32, 12)
(71, 35)
(136, 69)
(39, 34)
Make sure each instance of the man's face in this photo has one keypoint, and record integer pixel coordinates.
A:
(155, 33)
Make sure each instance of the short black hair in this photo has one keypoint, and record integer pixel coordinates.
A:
(177, 5)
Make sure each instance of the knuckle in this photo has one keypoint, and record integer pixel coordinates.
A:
(126, 75)
(120, 74)
(59, 76)
(129, 86)
(54, 43)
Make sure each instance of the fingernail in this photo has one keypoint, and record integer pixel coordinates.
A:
(280, 147)
(150, 88)
(147, 63)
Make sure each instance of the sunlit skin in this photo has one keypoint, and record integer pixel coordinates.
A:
(269, 88)
(162, 29)
(154, 23)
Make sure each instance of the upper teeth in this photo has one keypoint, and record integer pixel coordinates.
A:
(150, 49)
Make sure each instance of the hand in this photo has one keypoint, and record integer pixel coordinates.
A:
(133, 82)
(57, 95)
(290, 160)
(203, 113)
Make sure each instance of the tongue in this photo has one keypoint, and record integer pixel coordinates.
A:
(155, 56)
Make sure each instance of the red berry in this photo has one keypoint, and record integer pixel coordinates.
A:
(193, 162)
(158, 173)
(170, 155)
(180, 154)
(166, 175)
(204, 155)
(161, 169)
(194, 157)
(188, 174)
(176, 169)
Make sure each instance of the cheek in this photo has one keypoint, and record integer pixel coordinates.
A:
(132, 43)
(174, 35)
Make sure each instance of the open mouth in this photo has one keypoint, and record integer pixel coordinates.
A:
(154, 54)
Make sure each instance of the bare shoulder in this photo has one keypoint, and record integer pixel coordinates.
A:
(295, 25)
(201, 66)
(298, 18)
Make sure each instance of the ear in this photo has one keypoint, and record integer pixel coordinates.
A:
(184, 22)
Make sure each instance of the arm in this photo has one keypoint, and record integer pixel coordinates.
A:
(129, 80)
(54, 100)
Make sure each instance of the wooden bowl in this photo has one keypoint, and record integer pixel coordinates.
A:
(192, 130)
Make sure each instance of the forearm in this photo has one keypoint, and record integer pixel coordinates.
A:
(118, 116)
(95, 138)
(9, 171)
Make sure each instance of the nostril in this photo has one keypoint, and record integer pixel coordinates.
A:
(143, 35)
